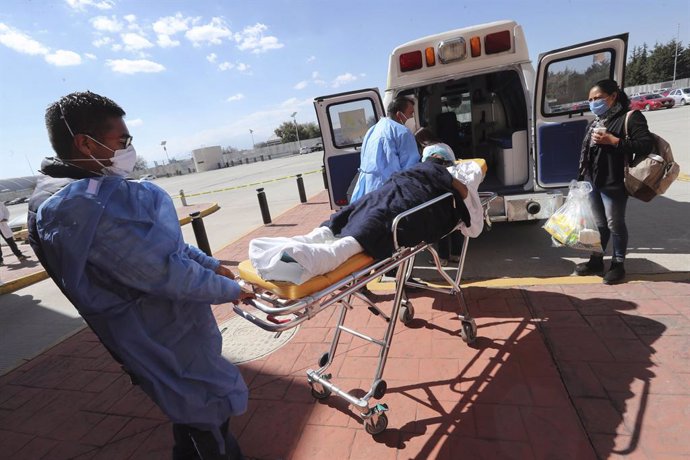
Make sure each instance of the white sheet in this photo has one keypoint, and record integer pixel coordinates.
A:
(470, 174)
(300, 258)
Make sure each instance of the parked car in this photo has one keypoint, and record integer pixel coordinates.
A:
(651, 102)
(304, 150)
(681, 96)
(148, 177)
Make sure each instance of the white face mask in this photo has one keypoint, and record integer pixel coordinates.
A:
(410, 123)
(123, 161)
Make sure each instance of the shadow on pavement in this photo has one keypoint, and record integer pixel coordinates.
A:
(511, 393)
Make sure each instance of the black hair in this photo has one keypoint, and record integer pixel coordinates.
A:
(610, 87)
(426, 137)
(85, 113)
(399, 104)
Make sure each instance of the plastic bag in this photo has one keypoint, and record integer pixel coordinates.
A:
(573, 224)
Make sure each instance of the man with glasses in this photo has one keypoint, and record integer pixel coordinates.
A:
(115, 249)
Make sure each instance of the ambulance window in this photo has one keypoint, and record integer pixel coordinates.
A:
(350, 121)
(567, 82)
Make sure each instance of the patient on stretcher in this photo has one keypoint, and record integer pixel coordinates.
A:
(365, 226)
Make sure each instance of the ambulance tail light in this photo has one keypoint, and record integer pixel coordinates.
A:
(430, 57)
(410, 61)
(475, 46)
(452, 50)
(497, 42)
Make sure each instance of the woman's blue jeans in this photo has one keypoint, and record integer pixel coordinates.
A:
(608, 206)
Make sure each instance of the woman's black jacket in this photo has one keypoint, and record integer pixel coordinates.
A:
(604, 165)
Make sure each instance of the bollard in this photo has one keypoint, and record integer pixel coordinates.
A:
(183, 198)
(262, 158)
(200, 233)
(263, 205)
(300, 189)
(325, 179)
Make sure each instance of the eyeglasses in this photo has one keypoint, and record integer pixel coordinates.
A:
(126, 141)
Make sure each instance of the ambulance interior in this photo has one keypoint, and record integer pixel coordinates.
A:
(483, 116)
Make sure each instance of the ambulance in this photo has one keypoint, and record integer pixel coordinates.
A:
(477, 90)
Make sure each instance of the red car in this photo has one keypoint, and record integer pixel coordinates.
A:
(651, 102)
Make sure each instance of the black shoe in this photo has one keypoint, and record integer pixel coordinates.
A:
(616, 273)
(22, 257)
(595, 266)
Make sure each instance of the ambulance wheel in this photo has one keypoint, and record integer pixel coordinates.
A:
(406, 313)
(468, 331)
(377, 428)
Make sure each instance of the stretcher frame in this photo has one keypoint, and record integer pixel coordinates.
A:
(284, 314)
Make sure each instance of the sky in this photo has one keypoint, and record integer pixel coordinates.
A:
(204, 72)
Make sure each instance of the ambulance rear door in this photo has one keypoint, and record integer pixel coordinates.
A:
(561, 111)
(344, 119)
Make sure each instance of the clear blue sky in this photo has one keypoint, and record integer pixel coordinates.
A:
(203, 72)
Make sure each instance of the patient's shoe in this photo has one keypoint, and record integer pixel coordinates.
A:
(595, 266)
(616, 273)
(454, 259)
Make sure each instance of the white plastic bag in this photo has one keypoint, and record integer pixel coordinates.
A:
(573, 224)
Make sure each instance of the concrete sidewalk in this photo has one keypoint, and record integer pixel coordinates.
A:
(559, 371)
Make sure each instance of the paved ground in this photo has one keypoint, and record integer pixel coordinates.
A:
(559, 371)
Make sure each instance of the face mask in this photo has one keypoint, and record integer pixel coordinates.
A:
(410, 123)
(123, 162)
(598, 107)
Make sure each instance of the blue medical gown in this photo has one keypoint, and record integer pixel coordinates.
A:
(387, 147)
(117, 249)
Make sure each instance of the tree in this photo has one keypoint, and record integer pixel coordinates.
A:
(660, 64)
(286, 131)
(141, 164)
(635, 74)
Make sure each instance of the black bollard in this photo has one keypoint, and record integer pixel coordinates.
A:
(300, 189)
(263, 205)
(200, 233)
(325, 179)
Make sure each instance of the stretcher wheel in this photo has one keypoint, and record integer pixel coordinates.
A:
(320, 394)
(380, 387)
(381, 424)
(323, 360)
(468, 331)
(406, 313)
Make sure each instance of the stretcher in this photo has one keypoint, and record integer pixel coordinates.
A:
(279, 306)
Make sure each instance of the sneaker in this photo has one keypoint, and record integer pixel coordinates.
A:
(595, 266)
(616, 273)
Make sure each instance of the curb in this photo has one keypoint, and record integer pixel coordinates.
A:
(533, 281)
(22, 282)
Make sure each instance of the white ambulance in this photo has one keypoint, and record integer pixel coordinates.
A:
(477, 90)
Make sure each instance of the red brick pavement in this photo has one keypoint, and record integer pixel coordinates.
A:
(558, 371)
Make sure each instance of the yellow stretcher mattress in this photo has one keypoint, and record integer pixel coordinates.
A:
(292, 291)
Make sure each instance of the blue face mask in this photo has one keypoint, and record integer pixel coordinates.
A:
(598, 107)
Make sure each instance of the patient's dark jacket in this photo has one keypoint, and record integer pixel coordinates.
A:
(369, 220)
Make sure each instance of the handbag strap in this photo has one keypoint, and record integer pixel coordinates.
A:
(625, 123)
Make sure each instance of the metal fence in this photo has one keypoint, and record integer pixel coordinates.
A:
(651, 87)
